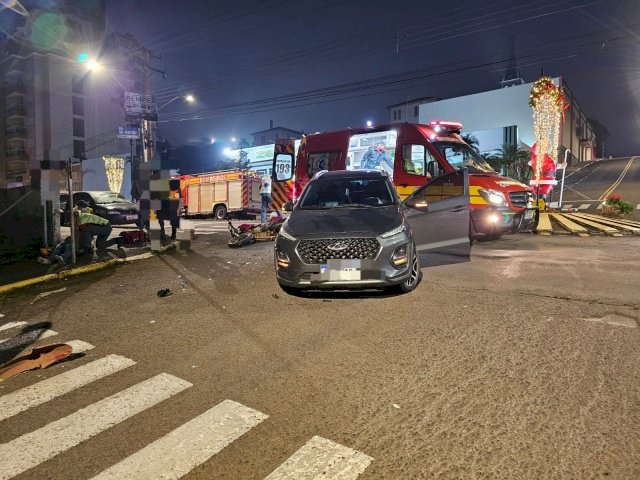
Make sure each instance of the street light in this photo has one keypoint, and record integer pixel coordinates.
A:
(369, 123)
(213, 140)
(188, 98)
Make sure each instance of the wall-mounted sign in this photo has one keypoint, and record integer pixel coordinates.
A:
(128, 132)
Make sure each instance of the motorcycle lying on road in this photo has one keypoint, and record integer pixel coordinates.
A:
(248, 233)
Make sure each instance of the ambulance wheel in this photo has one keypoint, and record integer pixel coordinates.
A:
(220, 212)
(241, 240)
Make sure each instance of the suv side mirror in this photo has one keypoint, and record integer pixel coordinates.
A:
(288, 206)
(419, 203)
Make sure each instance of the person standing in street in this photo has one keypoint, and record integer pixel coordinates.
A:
(265, 193)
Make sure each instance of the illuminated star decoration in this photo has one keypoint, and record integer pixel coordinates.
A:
(548, 104)
(114, 168)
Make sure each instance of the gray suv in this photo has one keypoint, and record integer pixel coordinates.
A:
(350, 230)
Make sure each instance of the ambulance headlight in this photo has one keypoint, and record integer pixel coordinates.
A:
(493, 197)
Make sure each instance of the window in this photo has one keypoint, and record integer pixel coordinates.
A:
(347, 193)
(78, 105)
(395, 115)
(320, 161)
(78, 148)
(78, 127)
(416, 110)
(461, 155)
(78, 84)
(375, 150)
(415, 159)
(399, 114)
(263, 139)
(446, 186)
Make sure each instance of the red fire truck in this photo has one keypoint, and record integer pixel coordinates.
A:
(412, 155)
(221, 193)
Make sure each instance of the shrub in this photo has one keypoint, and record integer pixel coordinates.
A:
(616, 201)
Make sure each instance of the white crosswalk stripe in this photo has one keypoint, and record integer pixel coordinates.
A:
(190, 445)
(169, 457)
(567, 207)
(322, 458)
(33, 448)
(584, 206)
(599, 207)
(46, 390)
(638, 207)
(25, 339)
(10, 325)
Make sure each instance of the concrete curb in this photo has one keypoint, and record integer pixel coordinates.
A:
(81, 270)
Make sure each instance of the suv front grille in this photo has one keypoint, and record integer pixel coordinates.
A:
(319, 251)
(519, 199)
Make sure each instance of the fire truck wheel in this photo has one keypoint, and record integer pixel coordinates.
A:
(241, 240)
(220, 212)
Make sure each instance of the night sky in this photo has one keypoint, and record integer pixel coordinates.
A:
(329, 64)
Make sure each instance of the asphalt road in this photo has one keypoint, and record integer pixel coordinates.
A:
(522, 363)
(588, 187)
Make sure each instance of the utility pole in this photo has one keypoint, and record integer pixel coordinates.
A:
(72, 220)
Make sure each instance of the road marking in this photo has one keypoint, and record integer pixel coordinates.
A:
(79, 346)
(615, 184)
(9, 325)
(33, 448)
(46, 390)
(638, 207)
(25, 339)
(188, 446)
(567, 207)
(599, 207)
(322, 458)
(584, 206)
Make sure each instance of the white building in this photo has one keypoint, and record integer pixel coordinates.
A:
(503, 116)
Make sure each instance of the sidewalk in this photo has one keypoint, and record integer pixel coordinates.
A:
(29, 272)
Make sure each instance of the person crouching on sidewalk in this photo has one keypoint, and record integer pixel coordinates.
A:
(90, 225)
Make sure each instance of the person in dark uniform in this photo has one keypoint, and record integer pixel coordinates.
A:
(170, 210)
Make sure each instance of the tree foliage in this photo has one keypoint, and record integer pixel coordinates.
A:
(511, 161)
(471, 140)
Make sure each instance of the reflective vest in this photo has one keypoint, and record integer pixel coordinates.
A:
(265, 186)
(84, 218)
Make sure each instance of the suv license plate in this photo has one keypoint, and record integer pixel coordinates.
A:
(131, 217)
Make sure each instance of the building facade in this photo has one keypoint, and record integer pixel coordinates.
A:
(408, 111)
(503, 116)
(273, 134)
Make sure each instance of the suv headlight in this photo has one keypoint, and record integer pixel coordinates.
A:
(285, 234)
(395, 231)
(494, 197)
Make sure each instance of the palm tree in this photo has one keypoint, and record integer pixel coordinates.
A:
(471, 140)
(512, 161)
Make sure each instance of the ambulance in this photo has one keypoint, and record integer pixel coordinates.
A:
(412, 155)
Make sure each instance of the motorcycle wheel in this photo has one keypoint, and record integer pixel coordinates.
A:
(241, 240)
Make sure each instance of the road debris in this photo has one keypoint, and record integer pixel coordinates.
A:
(165, 292)
(46, 294)
(39, 357)
(275, 295)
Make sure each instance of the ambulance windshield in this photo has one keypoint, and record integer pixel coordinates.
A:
(460, 155)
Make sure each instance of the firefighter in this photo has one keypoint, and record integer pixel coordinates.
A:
(90, 225)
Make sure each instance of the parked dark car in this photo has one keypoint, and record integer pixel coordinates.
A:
(110, 205)
(350, 230)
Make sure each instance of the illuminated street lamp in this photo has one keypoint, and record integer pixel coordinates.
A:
(369, 123)
(188, 98)
(213, 140)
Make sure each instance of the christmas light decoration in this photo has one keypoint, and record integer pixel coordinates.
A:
(114, 168)
(548, 104)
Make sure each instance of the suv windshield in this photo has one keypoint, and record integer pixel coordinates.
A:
(347, 193)
(460, 155)
(108, 197)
